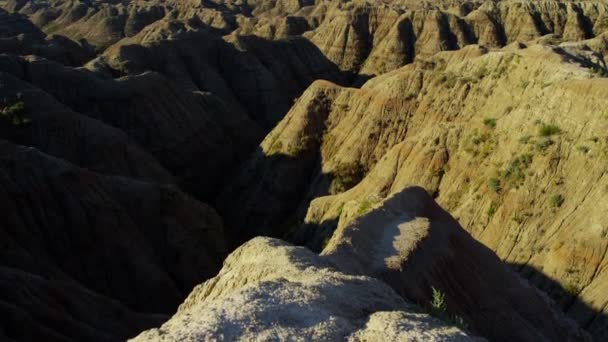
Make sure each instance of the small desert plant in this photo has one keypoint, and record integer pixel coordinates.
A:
(489, 122)
(491, 210)
(438, 306)
(15, 113)
(494, 184)
(439, 309)
(556, 201)
(16, 108)
(546, 130)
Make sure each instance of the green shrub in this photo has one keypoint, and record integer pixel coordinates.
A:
(16, 109)
(515, 170)
(15, 114)
(556, 201)
(439, 310)
(548, 130)
(494, 184)
(438, 306)
(489, 122)
(491, 210)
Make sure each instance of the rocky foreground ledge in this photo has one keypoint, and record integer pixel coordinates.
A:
(271, 290)
(378, 279)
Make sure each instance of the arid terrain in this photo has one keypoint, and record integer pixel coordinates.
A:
(316, 170)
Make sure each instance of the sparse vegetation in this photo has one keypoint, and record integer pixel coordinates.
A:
(489, 122)
(438, 305)
(556, 201)
(494, 184)
(15, 113)
(481, 144)
(439, 309)
(491, 210)
(546, 130)
(514, 173)
(345, 176)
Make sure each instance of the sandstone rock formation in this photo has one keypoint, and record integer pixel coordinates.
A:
(270, 290)
(169, 122)
(19, 36)
(510, 170)
(112, 111)
(259, 76)
(413, 245)
(89, 245)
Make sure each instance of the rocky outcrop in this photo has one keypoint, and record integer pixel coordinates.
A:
(35, 307)
(368, 38)
(270, 290)
(57, 130)
(415, 246)
(280, 171)
(88, 245)
(509, 170)
(170, 123)
(20, 37)
(245, 72)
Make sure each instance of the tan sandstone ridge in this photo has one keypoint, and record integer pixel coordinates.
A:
(261, 77)
(269, 290)
(123, 101)
(511, 142)
(363, 36)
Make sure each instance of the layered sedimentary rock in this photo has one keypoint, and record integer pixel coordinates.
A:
(73, 237)
(506, 133)
(370, 38)
(171, 123)
(57, 130)
(270, 290)
(19, 36)
(510, 170)
(261, 77)
(366, 37)
(412, 244)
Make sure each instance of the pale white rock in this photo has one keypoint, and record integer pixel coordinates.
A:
(269, 290)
